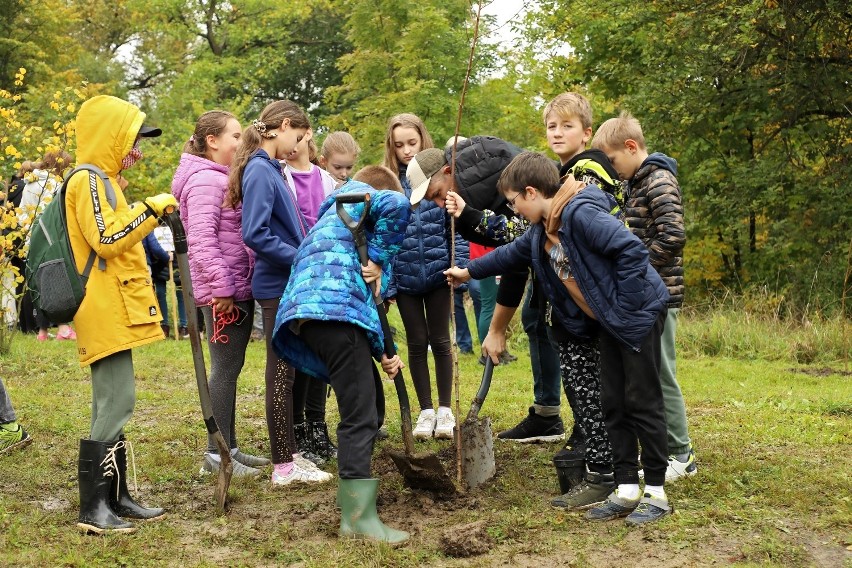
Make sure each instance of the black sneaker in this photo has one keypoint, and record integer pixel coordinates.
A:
(535, 428)
(305, 445)
(575, 447)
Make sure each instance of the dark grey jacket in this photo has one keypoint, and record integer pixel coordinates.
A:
(654, 212)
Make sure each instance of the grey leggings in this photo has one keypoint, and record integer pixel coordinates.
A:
(227, 357)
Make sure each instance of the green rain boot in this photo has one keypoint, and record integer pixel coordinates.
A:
(358, 517)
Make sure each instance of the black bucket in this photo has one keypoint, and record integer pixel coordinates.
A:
(570, 469)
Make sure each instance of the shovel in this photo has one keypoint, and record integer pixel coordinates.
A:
(477, 440)
(226, 467)
(423, 471)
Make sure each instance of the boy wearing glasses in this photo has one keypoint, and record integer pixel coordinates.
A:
(599, 284)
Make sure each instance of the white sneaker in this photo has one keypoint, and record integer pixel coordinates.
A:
(445, 424)
(678, 469)
(298, 475)
(425, 425)
(308, 465)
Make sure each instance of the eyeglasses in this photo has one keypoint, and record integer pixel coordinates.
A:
(512, 202)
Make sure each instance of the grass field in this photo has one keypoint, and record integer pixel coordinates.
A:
(773, 441)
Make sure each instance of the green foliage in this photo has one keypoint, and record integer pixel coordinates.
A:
(754, 105)
(753, 102)
(405, 58)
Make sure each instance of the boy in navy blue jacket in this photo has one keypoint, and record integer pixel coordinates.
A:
(598, 280)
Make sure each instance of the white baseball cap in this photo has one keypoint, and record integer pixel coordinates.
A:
(421, 169)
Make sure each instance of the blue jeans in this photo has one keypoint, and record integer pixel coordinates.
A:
(164, 305)
(544, 358)
(463, 336)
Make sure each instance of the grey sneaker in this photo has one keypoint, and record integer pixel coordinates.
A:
(593, 490)
(613, 508)
(250, 460)
(650, 509)
(211, 465)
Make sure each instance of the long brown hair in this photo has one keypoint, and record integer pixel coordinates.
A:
(271, 117)
(406, 120)
(211, 123)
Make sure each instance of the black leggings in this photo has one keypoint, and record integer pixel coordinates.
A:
(279, 392)
(579, 362)
(309, 396)
(426, 319)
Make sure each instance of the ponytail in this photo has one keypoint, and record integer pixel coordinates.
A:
(211, 123)
(271, 118)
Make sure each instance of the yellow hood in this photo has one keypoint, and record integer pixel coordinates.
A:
(106, 130)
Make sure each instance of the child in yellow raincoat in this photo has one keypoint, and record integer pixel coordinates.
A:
(119, 311)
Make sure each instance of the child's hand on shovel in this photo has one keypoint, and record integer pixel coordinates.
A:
(373, 273)
(392, 366)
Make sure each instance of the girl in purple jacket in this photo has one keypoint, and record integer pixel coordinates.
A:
(221, 268)
(311, 185)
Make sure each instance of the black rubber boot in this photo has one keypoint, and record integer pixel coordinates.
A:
(322, 445)
(120, 500)
(95, 475)
(305, 443)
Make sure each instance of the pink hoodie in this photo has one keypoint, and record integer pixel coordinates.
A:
(220, 264)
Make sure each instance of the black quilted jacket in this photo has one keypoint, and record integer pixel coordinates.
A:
(654, 212)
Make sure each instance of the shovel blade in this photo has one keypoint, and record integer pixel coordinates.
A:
(226, 470)
(477, 450)
(423, 471)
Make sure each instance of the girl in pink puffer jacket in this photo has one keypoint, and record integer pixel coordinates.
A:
(221, 269)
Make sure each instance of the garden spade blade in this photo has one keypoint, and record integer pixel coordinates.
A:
(477, 440)
(226, 467)
(423, 471)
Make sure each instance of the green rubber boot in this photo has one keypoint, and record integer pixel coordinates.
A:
(358, 517)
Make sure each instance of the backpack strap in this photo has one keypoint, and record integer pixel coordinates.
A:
(94, 173)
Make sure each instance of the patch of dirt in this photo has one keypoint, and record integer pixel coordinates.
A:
(55, 504)
(820, 371)
(467, 540)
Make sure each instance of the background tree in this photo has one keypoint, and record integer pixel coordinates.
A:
(752, 98)
(404, 58)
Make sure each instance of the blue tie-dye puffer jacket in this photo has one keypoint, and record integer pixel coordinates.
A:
(326, 283)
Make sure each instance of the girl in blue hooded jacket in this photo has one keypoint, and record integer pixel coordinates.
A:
(328, 327)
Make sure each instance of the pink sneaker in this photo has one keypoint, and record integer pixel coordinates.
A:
(69, 335)
(42, 336)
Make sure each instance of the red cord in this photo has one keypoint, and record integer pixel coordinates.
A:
(220, 320)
